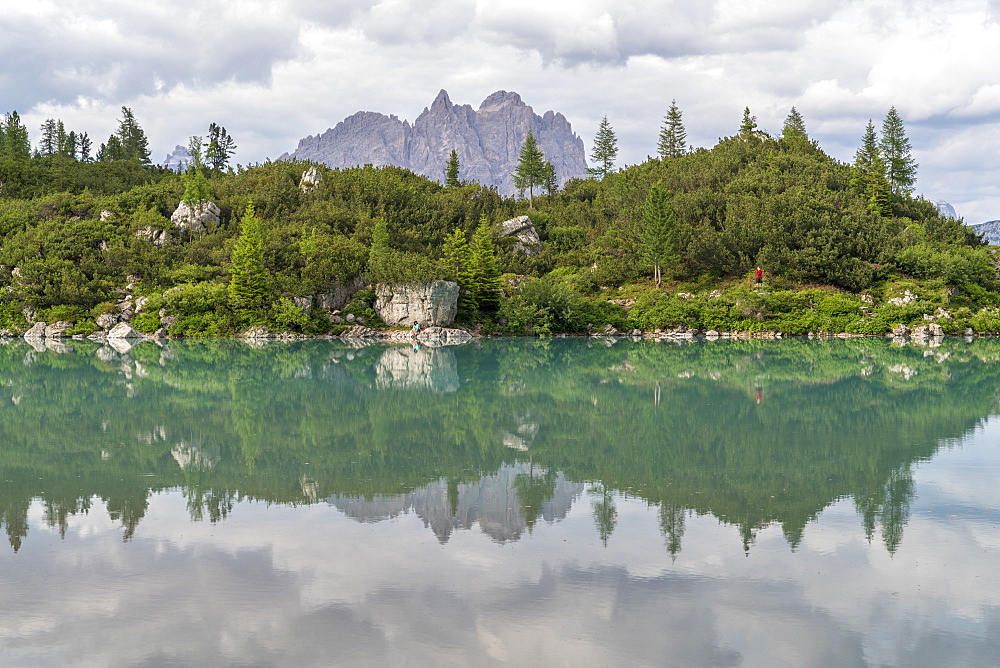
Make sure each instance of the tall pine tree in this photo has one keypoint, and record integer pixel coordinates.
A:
(530, 170)
(605, 150)
(673, 137)
(248, 276)
(901, 168)
(452, 170)
(869, 173)
(658, 233)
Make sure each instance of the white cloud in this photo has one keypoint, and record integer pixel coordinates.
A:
(281, 70)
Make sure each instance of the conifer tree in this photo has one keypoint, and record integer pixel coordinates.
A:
(195, 183)
(131, 141)
(658, 234)
(380, 253)
(901, 168)
(530, 171)
(673, 137)
(794, 127)
(749, 124)
(550, 182)
(869, 175)
(457, 262)
(219, 147)
(14, 142)
(248, 276)
(605, 150)
(452, 170)
(484, 267)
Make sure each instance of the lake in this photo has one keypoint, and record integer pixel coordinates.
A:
(518, 501)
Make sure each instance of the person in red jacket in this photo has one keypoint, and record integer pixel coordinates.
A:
(759, 275)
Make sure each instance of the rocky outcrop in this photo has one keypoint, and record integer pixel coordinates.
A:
(196, 218)
(310, 180)
(430, 304)
(488, 141)
(521, 229)
(123, 330)
(990, 230)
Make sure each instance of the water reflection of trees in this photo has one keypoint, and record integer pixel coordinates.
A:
(753, 433)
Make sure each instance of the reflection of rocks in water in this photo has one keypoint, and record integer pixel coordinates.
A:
(425, 369)
(523, 435)
(491, 502)
(121, 345)
(191, 456)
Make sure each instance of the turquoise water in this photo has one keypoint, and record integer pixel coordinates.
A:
(529, 502)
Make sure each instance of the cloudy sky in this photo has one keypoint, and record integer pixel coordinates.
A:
(274, 71)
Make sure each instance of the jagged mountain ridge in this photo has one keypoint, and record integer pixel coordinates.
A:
(488, 141)
(990, 231)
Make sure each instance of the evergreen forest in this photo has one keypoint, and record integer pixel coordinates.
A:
(671, 243)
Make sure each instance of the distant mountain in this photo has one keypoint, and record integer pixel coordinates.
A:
(177, 159)
(944, 208)
(990, 230)
(488, 141)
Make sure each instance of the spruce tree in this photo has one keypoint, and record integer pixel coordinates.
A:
(380, 254)
(550, 182)
(248, 276)
(869, 175)
(530, 171)
(14, 145)
(132, 142)
(901, 168)
(605, 150)
(673, 137)
(484, 267)
(658, 234)
(219, 147)
(748, 127)
(452, 170)
(794, 127)
(457, 263)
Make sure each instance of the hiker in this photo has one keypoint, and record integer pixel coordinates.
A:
(759, 275)
(416, 328)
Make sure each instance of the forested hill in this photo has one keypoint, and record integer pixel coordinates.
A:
(75, 236)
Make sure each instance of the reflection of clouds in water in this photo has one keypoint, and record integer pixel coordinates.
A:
(311, 586)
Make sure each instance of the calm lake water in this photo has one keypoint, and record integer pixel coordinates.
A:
(528, 502)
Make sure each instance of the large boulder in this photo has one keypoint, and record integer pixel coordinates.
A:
(123, 330)
(57, 330)
(37, 331)
(430, 304)
(196, 218)
(521, 229)
(311, 178)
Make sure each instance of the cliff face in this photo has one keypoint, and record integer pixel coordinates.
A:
(487, 140)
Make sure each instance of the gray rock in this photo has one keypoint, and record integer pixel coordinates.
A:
(525, 233)
(37, 331)
(310, 180)
(487, 140)
(339, 296)
(106, 321)
(123, 330)
(196, 218)
(57, 330)
(430, 304)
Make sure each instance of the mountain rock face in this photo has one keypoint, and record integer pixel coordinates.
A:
(990, 231)
(487, 140)
(944, 208)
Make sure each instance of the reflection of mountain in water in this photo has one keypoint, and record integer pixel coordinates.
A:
(754, 433)
(493, 502)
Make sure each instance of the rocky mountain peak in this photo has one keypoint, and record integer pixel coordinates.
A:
(487, 140)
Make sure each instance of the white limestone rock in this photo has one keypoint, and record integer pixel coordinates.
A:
(430, 304)
(525, 233)
(196, 218)
(123, 330)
